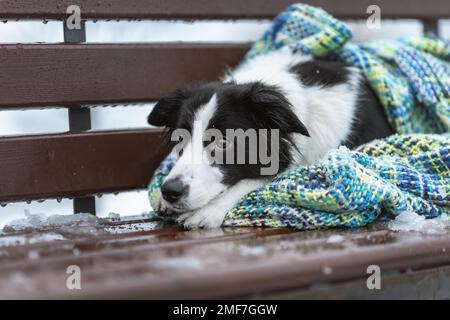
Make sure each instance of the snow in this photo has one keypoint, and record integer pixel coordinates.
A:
(135, 227)
(411, 221)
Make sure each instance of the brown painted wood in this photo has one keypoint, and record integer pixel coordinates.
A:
(221, 263)
(77, 164)
(214, 9)
(73, 74)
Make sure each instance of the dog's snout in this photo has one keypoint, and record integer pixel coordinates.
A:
(173, 189)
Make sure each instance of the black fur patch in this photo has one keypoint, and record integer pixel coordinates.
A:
(255, 106)
(370, 119)
(239, 106)
(177, 108)
(321, 73)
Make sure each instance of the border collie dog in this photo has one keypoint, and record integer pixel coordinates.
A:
(303, 105)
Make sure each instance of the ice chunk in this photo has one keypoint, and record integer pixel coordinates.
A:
(327, 270)
(114, 216)
(335, 238)
(82, 223)
(29, 222)
(442, 193)
(179, 263)
(411, 221)
(245, 250)
(343, 148)
(34, 255)
(20, 278)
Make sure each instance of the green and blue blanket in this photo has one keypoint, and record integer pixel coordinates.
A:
(409, 171)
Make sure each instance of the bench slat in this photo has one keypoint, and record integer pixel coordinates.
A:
(72, 74)
(107, 242)
(77, 164)
(215, 9)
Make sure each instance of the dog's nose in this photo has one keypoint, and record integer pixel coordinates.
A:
(173, 189)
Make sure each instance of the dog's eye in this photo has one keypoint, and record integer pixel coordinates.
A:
(222, 143)
(179, 146)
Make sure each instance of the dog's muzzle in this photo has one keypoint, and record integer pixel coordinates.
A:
(173, 190)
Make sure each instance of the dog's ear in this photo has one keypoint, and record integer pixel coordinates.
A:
(275, 109)
(165, 112)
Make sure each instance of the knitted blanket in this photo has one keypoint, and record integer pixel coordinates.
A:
(409, 171)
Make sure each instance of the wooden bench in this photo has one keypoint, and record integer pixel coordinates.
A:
(135, 257)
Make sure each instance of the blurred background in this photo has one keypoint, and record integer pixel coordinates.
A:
(107, 118)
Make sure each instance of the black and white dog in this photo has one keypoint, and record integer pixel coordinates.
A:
(312, 105)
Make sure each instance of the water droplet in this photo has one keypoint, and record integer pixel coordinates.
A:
(5, 21)
(44, 21)
(327, 270)
(59, 199)
(28, 201)
(3, 204)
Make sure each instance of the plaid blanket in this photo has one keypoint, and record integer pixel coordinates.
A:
(409, 171)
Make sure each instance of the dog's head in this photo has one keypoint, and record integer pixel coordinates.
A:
(226, 132)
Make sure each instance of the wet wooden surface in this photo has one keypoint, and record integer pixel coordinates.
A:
(49, 75)
(213, 9)
(139, 259)
(78, 163)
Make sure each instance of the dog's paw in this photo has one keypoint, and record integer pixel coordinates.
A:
(204, 218)
(183, 217)
(160, 205)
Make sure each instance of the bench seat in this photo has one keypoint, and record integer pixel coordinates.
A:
(138, 258)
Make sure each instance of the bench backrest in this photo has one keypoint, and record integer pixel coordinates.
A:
(81, 163)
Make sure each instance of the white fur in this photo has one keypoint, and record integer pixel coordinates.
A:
(204, 180)
(212, 215)
(326, 112)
